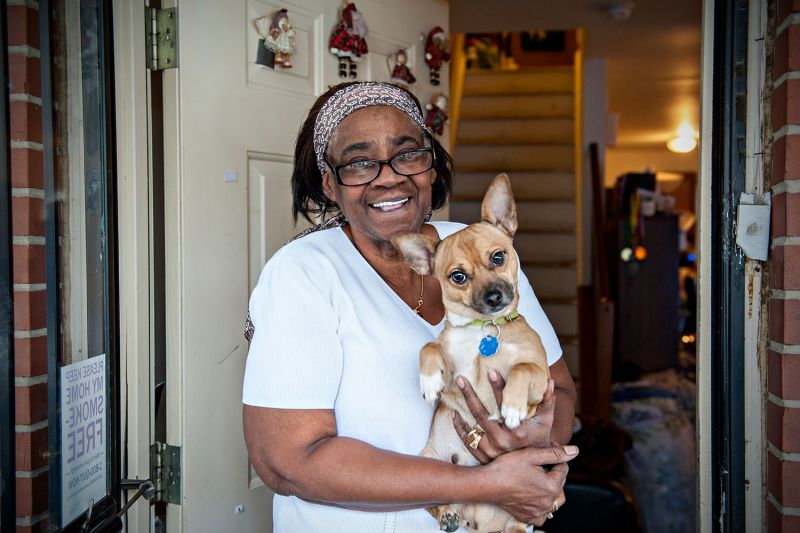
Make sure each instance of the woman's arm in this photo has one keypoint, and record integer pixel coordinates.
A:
(565, 396)
(297, 452)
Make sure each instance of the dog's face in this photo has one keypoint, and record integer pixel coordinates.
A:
(477, 266)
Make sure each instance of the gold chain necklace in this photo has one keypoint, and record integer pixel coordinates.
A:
(421, 293)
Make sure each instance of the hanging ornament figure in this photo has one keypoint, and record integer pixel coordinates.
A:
(401, 74)
(347, 41)
(277, 43)
(437, 52)
(436, 117)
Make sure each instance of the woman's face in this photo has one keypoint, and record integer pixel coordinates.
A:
(391, 203)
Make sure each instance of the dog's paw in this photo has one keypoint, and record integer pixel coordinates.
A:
(512, 416)
(450, 521)
(431, 386)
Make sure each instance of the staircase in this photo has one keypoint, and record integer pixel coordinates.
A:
(522, 123)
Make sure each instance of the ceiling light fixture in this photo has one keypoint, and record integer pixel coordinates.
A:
(620, 10)
(685, 141)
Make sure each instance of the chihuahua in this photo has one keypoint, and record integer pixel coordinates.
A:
(477, 269)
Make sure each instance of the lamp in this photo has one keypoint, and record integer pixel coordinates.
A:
(685, 141)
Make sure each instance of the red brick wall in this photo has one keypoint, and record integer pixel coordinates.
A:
(27, 228)
(783, 407)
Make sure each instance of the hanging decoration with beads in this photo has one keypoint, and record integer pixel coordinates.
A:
(347, 41)
(437, 52)
(436, 116)
(277, 43)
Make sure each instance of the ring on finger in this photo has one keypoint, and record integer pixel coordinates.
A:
(474, 437)
(555, 506)
(549, 516)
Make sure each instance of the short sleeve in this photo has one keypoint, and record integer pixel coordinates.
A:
(295, 357)
(531, 309)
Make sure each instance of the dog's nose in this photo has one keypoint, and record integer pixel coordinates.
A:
(493, 298)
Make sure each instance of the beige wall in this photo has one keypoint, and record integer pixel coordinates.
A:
(622, 160)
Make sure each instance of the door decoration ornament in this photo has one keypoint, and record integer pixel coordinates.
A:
(634, 251)
(347, 41)
(437, 52)
(277, 43)
(399, 71)
(436, 117)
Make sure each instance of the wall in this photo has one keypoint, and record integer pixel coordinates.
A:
(27, 211)
(622, 160)
(783, 366)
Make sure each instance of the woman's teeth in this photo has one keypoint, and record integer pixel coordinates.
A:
(389, 204)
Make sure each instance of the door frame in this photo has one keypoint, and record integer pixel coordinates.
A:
(133, 214)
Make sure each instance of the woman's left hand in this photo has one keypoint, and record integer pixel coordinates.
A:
(498, 439)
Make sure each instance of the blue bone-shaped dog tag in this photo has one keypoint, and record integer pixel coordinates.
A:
(488, 346)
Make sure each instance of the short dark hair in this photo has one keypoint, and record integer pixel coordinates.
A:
(308, 197)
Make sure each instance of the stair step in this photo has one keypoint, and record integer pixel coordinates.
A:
(552, 282)
(511, 157)
(545, 247)
(531, 216)
(517, 106)
(516, 131)
(564, 317)
(537, 186)
(532, 81)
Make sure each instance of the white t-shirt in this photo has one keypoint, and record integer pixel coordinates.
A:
(330, 334)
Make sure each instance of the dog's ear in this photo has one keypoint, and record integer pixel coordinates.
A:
(417, 250)
(498, 206)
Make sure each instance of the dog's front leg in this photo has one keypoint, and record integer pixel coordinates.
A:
(433, 374)
(526, 385)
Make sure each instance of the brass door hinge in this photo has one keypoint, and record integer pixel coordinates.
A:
(161, 37)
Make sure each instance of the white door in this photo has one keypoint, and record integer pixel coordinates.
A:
(230, 132)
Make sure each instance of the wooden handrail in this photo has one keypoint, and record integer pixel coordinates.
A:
(458, 68)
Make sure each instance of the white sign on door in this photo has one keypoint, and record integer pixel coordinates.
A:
(83, 436)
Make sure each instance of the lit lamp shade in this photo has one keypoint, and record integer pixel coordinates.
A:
(684, 142)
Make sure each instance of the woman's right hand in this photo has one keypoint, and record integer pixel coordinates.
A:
(531, 491)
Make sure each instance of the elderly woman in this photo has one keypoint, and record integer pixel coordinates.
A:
(333, 415)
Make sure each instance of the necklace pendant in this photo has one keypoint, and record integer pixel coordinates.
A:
(488, 346)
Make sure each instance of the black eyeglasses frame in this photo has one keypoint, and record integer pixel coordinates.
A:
(381, 162)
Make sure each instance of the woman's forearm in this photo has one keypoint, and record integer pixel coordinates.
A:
(395, 481)
(563, 418)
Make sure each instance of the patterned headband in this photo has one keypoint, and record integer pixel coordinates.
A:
(355, 97)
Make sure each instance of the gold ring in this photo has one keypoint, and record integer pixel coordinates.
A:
(555, 506)
(474, 437)
(549, 516)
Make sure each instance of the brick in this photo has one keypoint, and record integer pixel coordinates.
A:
(785, 215)
(786, 8)
(785, 267)
(29, 264)
(30, 310)
(783, 427)
(31, 403)
(787, 51)
(784, 320)
(783, 480)
(786, 104)
(27, 216)
(26, 121)
(30, 357)
(786, 159)
(783, 373)
(27, 168)
(31, 451)
(778, 523)
(23, 26)
(32, 496)
(25, 75)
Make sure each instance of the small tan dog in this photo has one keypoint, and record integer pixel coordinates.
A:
(477, 269)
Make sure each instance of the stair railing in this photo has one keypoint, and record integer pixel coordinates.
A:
(458, 69)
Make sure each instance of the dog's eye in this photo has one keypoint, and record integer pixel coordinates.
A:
(458, 277)
(498, 259)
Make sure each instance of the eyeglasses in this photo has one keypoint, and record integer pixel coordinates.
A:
(363, 172)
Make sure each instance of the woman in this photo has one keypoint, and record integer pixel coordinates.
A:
(333, 414)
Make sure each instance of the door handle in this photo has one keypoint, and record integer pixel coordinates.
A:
(113, 524)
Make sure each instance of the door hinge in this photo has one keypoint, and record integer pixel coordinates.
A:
(161, 37)
(165, 471)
